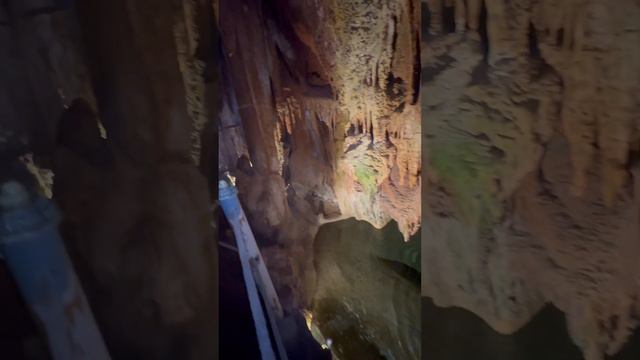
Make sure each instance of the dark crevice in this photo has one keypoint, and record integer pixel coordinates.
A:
(287, 146)
(394, 41)
(376, 76)
(404, 271)
(426, 19)
(326, 137)
(483, 31)
(633, 167)
(482, 137)
(272, 92)
(449, 19)
(633, 159)
(394, 87)
(534, 48)
(560, 37)
(209, 48)
(417, 68)
(285, 63)
(496, 152)
(351, 131)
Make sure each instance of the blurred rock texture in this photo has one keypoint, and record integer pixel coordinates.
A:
(531, 141)
(136, 210)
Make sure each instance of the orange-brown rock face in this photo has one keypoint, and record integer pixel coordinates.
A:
(532, 136)
(370, 52)
(323, 121)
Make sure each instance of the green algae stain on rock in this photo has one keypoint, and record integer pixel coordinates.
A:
(366, 176)
(466, 169)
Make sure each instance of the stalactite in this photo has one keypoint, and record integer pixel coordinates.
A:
(561, 75)
(473, 14)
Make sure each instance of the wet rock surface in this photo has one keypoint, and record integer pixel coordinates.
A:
(366, 303)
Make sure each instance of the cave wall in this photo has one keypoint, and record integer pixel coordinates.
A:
(135, 195)
(136, 210)
(531, 136)
(324, 125)
(42, 71)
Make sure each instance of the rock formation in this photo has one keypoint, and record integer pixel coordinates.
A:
(320, 122)
(136, 210)
(366, 302)
(325, 124)
(531, 138)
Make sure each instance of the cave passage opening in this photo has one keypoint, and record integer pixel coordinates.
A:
(367, 294)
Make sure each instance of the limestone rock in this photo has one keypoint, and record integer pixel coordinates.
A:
(325, 125)
(531, 137)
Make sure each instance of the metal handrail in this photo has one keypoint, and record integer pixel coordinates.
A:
(255, 273)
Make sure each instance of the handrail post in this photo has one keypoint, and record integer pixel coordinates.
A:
(232, 209)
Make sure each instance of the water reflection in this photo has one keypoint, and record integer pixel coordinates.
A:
(367, 299)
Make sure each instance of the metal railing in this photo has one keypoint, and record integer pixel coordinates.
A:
(255, 273)
(35, 254)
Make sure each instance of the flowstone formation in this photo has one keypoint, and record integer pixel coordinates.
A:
(371, 54)
(531, 137)
(321, 120)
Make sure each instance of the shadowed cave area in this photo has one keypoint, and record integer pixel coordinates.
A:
(103, 126)
(544, 337)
